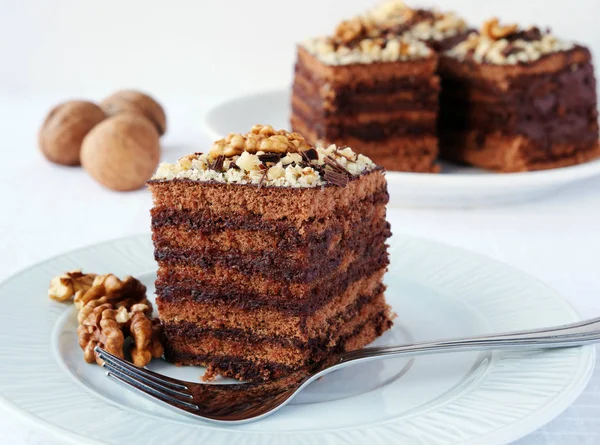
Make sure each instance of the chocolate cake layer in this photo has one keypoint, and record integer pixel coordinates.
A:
(496, 151)
(558, 107)
(291, 233)
(269, 263)
(179, 282)
(292, 206)
(267, 320)
(390, 94)
(347, 76)
(252, 370)
(368, 127)
(359, 312)
(387, 111)
(301, 245)
(524, 117)
(403, 153)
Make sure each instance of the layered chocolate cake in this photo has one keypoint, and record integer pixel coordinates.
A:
(271, 254)
(517, 100)
(373, 85)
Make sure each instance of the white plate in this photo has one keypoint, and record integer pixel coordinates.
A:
(437, 291)
(456, 186)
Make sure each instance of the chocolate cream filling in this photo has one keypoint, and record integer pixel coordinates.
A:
(313, 295)
(196, 331)
(549, 109)
(237, 367)
(370, 131)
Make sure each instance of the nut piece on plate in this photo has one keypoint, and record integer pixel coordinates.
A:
(65, 127)
(146, 336)
(122, 152)
(112, 290)
(129, 101)
(110, 310)
(100, 327)
(70, 285)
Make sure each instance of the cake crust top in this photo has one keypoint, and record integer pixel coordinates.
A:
(498, 44)
(390, 32)
(270, 158)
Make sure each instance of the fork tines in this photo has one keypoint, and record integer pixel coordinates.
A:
(165, 389)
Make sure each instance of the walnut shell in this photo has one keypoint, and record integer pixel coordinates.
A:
(122, 152)
(136, 102)
(65, 127)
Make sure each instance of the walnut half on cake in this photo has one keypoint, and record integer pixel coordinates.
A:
(516, 100)
(271, 254)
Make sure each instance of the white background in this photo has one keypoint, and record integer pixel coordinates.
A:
(193, 54)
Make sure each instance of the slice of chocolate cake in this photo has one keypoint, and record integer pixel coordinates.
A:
(271, 254)
(517, 100)
(372, 85)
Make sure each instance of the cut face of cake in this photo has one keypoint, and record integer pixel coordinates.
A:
(517, 100)
(271, 254)
(373, 85)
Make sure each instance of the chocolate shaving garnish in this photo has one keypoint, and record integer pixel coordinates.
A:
(218, 164)
(263, 167)
(233, 166)
(318, 168)
(269, 157)
(262, 178)
(532, 34)
(309, 155)
(336, 178)
(510, 50)
(335, 165)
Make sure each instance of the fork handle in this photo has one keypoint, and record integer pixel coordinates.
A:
(574, 334)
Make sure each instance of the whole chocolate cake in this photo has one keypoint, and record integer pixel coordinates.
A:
(271, 254)
(515, 100)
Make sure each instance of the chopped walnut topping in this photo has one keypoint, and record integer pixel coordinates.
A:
(507, 45)
(368, 50)
(260, 138)
(494, 31)
(364, 39)
(300, 165)
(350, 30)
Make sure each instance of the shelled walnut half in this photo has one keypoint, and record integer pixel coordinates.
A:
(110, 311)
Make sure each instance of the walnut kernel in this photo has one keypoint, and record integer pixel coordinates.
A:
(100, 328)
(495, 31)
(260, 138)
(70, 285)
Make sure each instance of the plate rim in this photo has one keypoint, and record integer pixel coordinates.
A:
(517, 430)
(459, 180)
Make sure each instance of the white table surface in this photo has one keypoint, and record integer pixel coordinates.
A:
(47, 210)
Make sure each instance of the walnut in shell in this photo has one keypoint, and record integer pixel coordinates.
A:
(129, 101)
(64, 128)
(122, 152)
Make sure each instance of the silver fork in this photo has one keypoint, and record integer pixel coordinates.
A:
(245, 402)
